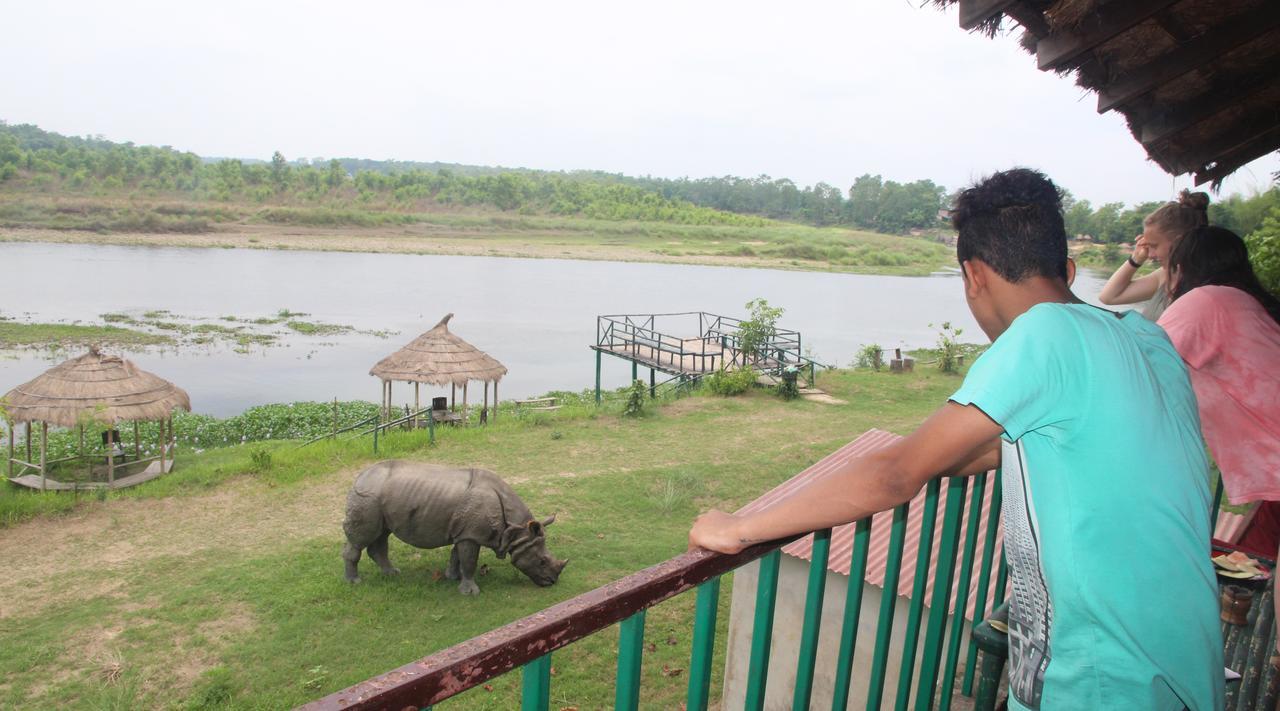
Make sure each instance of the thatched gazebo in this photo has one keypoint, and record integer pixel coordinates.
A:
(438, 357)
(94, 391)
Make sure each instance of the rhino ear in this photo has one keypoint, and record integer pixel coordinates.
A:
(534, 527)
(548, 520)
(506, 539)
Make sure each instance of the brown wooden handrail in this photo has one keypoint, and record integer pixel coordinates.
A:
(468, 664)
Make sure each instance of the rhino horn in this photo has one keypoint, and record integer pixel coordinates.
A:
(560, 566)
(548, 520)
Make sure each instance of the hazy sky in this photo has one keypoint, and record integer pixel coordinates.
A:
(812, 91)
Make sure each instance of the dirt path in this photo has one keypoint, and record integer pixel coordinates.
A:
(122, 535)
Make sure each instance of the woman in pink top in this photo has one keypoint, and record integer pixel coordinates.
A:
(1226, 327)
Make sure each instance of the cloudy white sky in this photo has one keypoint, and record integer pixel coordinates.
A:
(812, 91)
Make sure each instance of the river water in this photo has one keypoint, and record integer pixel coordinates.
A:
(537, 316)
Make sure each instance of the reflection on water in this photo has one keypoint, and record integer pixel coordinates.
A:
(537, 316)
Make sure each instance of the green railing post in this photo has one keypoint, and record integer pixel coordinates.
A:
(937, 627)
(852, 611)
(962, 590)
(653, 384)
(888, 601)
(704, 642)
(597, 377)
(635, 372)
(377, 426)
(1217, 504)
(431, 423)
(812, 619)
(630, 655)
(1002, 578)
(923, 555)
(762, 630)
(536, 685)
(984, 581)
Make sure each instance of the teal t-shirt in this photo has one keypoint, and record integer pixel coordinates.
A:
(1113, 601)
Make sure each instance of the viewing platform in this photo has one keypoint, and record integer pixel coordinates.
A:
(692, 344)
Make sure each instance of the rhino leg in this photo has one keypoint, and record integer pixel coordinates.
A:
(378, 552)
(351, 556)
(466, 553)
(452, 571)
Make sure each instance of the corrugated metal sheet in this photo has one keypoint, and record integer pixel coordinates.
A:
(842, 536)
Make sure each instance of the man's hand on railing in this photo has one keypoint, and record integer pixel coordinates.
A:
(716, 531)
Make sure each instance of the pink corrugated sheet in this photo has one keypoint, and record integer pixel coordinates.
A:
(878, 553)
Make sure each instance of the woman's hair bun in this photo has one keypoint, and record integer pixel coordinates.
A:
(1195, 201)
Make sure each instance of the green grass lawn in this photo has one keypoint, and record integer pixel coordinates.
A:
(220, 585)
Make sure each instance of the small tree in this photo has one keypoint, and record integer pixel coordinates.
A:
(871, 356)
(1264, 251)
(949, 349)
(755, 332)
(636, 395)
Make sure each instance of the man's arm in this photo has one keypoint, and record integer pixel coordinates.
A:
(955, 440)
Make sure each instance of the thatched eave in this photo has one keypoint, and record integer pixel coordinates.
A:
(438, 357)
(1194, 79)
(95, 389)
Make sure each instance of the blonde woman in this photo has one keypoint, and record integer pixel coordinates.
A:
(1161, 230)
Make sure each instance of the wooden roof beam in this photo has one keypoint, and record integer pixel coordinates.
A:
(1215, 101)
(1230, 162)
(976, 12)
(1060, 51)
(1192, 55)
(1231, 137)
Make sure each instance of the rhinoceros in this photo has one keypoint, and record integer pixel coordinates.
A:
(430, 506)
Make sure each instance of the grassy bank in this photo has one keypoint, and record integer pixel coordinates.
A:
(88, 219)
(220, 584)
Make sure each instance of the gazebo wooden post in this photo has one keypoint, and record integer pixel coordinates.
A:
(27, 426)
(44, 449)
(485, 409)
(11, 443)
(88, 460)
(389, 384)
(453, 396)
(164, 441)
(111, 454)
(416, 405)
(464, 401)
(137, 446)
(495, 400)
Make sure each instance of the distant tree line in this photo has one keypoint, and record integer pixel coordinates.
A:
(48, 160)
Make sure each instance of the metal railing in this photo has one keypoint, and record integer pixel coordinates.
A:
(528, 643)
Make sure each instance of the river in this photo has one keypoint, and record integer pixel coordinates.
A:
(537, 316)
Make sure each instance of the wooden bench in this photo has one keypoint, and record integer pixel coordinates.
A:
(537, 404)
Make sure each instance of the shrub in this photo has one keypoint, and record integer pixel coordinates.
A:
(755, 332)
(949, 349)
(789, 387)
(636, 395)
(871, 356)
(730, 382)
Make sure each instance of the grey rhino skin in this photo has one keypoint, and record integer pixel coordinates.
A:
(431, 506)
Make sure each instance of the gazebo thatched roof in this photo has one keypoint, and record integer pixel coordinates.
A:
(440, 358)
(105, 389)
(1198, 81)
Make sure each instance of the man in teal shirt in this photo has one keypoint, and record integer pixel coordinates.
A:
(1113, 602)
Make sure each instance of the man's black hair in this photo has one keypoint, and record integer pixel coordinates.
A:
(1012, 220)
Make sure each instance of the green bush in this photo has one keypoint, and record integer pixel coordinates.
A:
(636, 396)
(1264, 251)
(949, 349)
(730, 382)
(871, 356)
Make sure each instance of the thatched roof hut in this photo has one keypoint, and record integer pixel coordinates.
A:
(438, 357)
(1195, 79)
(99, 388)
(94, 390)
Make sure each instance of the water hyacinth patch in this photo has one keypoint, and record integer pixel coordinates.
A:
(295, 420)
